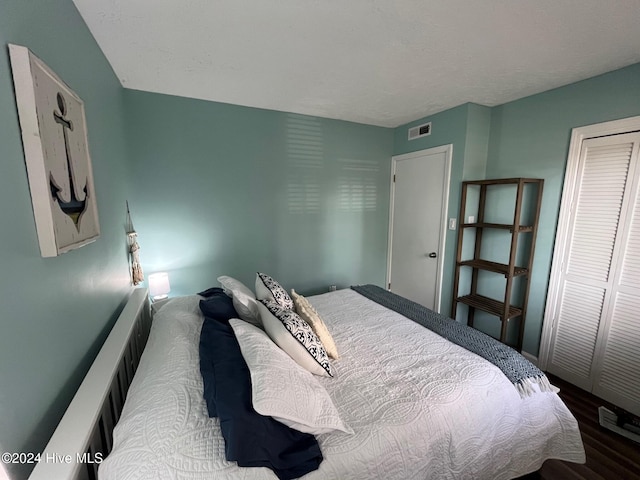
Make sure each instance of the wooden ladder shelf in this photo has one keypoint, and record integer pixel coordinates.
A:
(501, 308)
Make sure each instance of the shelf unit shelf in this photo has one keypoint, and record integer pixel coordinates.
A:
(489, 305)
(503, 309)
(502, 268)
(503, 226)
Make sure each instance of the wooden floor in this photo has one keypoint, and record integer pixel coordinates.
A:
(609, 456)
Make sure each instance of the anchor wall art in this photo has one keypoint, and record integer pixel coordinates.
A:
(54, 136)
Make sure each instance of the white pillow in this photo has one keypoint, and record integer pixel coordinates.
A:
(295, 337)
(283, 390)
(268, 289)
(313, 318)
(244, 300)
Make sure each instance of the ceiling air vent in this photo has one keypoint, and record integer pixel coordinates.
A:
(420, 131)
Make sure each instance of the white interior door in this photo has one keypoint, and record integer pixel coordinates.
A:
(419, 198)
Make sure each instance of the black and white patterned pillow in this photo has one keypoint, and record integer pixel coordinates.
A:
(296, 337)
(268, 289)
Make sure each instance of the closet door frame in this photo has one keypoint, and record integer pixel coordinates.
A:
(578, 135)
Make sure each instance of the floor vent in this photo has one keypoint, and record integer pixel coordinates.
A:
(609, 420)
(420, 131)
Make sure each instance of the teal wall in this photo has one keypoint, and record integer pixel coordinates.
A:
(477, 141)
(55, 312)
(524, 138)
(229, 190)
(466, 127)
(530, 137)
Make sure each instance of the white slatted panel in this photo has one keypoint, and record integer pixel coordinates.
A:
(597, 210)
(577, 329)
(620, 374)
(617, 362)
(596, 338)
(630, 275)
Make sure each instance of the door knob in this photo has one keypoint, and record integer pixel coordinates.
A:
(433, 255)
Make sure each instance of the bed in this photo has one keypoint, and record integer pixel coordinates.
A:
(414, 404)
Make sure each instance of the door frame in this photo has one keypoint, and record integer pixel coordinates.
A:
(578, 135)
(448, 151)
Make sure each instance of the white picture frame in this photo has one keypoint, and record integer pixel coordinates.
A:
(56, 151)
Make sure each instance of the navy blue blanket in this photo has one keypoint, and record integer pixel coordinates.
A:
(217, 306)
(251, 440)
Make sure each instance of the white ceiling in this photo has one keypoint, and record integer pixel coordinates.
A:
(379, 62)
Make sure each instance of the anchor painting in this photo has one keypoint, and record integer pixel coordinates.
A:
(74, 208)
(57, 157)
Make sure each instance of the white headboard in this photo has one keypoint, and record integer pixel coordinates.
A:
(84, 435)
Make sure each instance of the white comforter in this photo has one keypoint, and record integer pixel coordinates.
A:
(420, 407)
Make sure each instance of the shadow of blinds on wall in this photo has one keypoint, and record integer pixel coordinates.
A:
(305, 162)
(357, 185)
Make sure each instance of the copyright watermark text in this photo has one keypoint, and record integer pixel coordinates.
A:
(32, 458)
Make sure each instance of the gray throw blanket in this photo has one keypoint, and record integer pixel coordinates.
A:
(520, 371)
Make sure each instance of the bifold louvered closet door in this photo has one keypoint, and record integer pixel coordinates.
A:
(595, 342)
